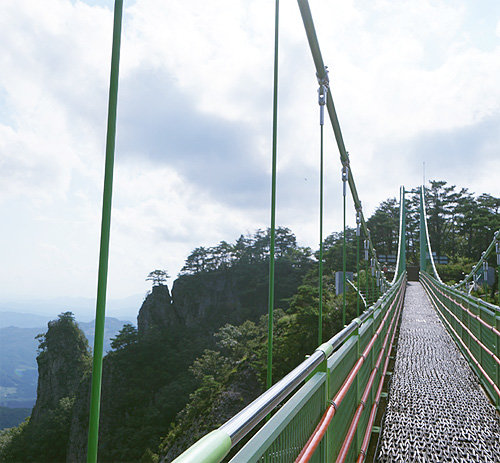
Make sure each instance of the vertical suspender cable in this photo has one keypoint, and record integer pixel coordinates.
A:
(320, 315)
(95, 397)
(366, 271)
(322, 91)
(273, 205)
(403, 233)
(358, 233)
(344, 184)
(373, 279)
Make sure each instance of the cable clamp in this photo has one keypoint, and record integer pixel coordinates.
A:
(345, 171)
(333, 404)
(324, 80)
(322, 92)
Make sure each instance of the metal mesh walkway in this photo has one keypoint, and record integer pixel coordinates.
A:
(437, 411)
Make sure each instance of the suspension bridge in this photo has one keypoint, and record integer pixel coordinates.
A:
(414, 377)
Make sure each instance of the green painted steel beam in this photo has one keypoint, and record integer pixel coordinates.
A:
(95, 397)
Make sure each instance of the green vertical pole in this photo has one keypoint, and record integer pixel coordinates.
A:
(322, 92)
(403, 234)
(344, 258)
(320, 317)
(373, 279)
(358, 233)
(95, 396)
(366, 273)
(273, 206)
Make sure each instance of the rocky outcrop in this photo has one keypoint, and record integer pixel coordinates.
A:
(62, 362)
(210, 299)
(157, 311)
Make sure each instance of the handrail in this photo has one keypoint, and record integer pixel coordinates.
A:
(318, 434)
(351, 433)
(473, 315)
(489, 380)
(215, 445)
(238, 426)
(428, 283)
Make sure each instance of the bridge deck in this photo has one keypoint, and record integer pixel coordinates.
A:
(437, 411)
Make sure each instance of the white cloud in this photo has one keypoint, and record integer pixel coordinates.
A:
(401, 72)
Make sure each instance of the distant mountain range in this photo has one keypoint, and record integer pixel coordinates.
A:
(18, 347)
(83, 308)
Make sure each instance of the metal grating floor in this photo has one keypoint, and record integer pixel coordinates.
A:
(437, 411)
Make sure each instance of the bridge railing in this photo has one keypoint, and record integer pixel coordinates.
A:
(475, 327)
(348, 371)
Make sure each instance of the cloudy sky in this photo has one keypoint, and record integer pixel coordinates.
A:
(413, 81)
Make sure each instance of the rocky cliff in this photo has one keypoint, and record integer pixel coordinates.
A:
(146, 377)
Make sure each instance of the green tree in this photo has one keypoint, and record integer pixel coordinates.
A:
(158, 277)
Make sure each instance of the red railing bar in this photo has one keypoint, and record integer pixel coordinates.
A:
(495, 387)
(495, 358)
(373, 412)
(313, 442)
(357, 416)
(473, 315)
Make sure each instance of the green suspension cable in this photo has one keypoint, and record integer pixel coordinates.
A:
(345, 170)
(358, 234)
(95, 397)
(322, 91)
(273, 206)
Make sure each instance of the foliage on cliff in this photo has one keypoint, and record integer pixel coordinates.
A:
(63, 361)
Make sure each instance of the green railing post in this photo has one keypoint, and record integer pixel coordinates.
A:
(273, 205)
(95, 397)
(358, 233)
(366, 273)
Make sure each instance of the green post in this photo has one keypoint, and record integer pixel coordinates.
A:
(320, 317)
(322, 92)
(403, 234)
(273, 206)
(358, 233)
(344, 258)
(373, 279)
(95, 396)
(366, 273)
